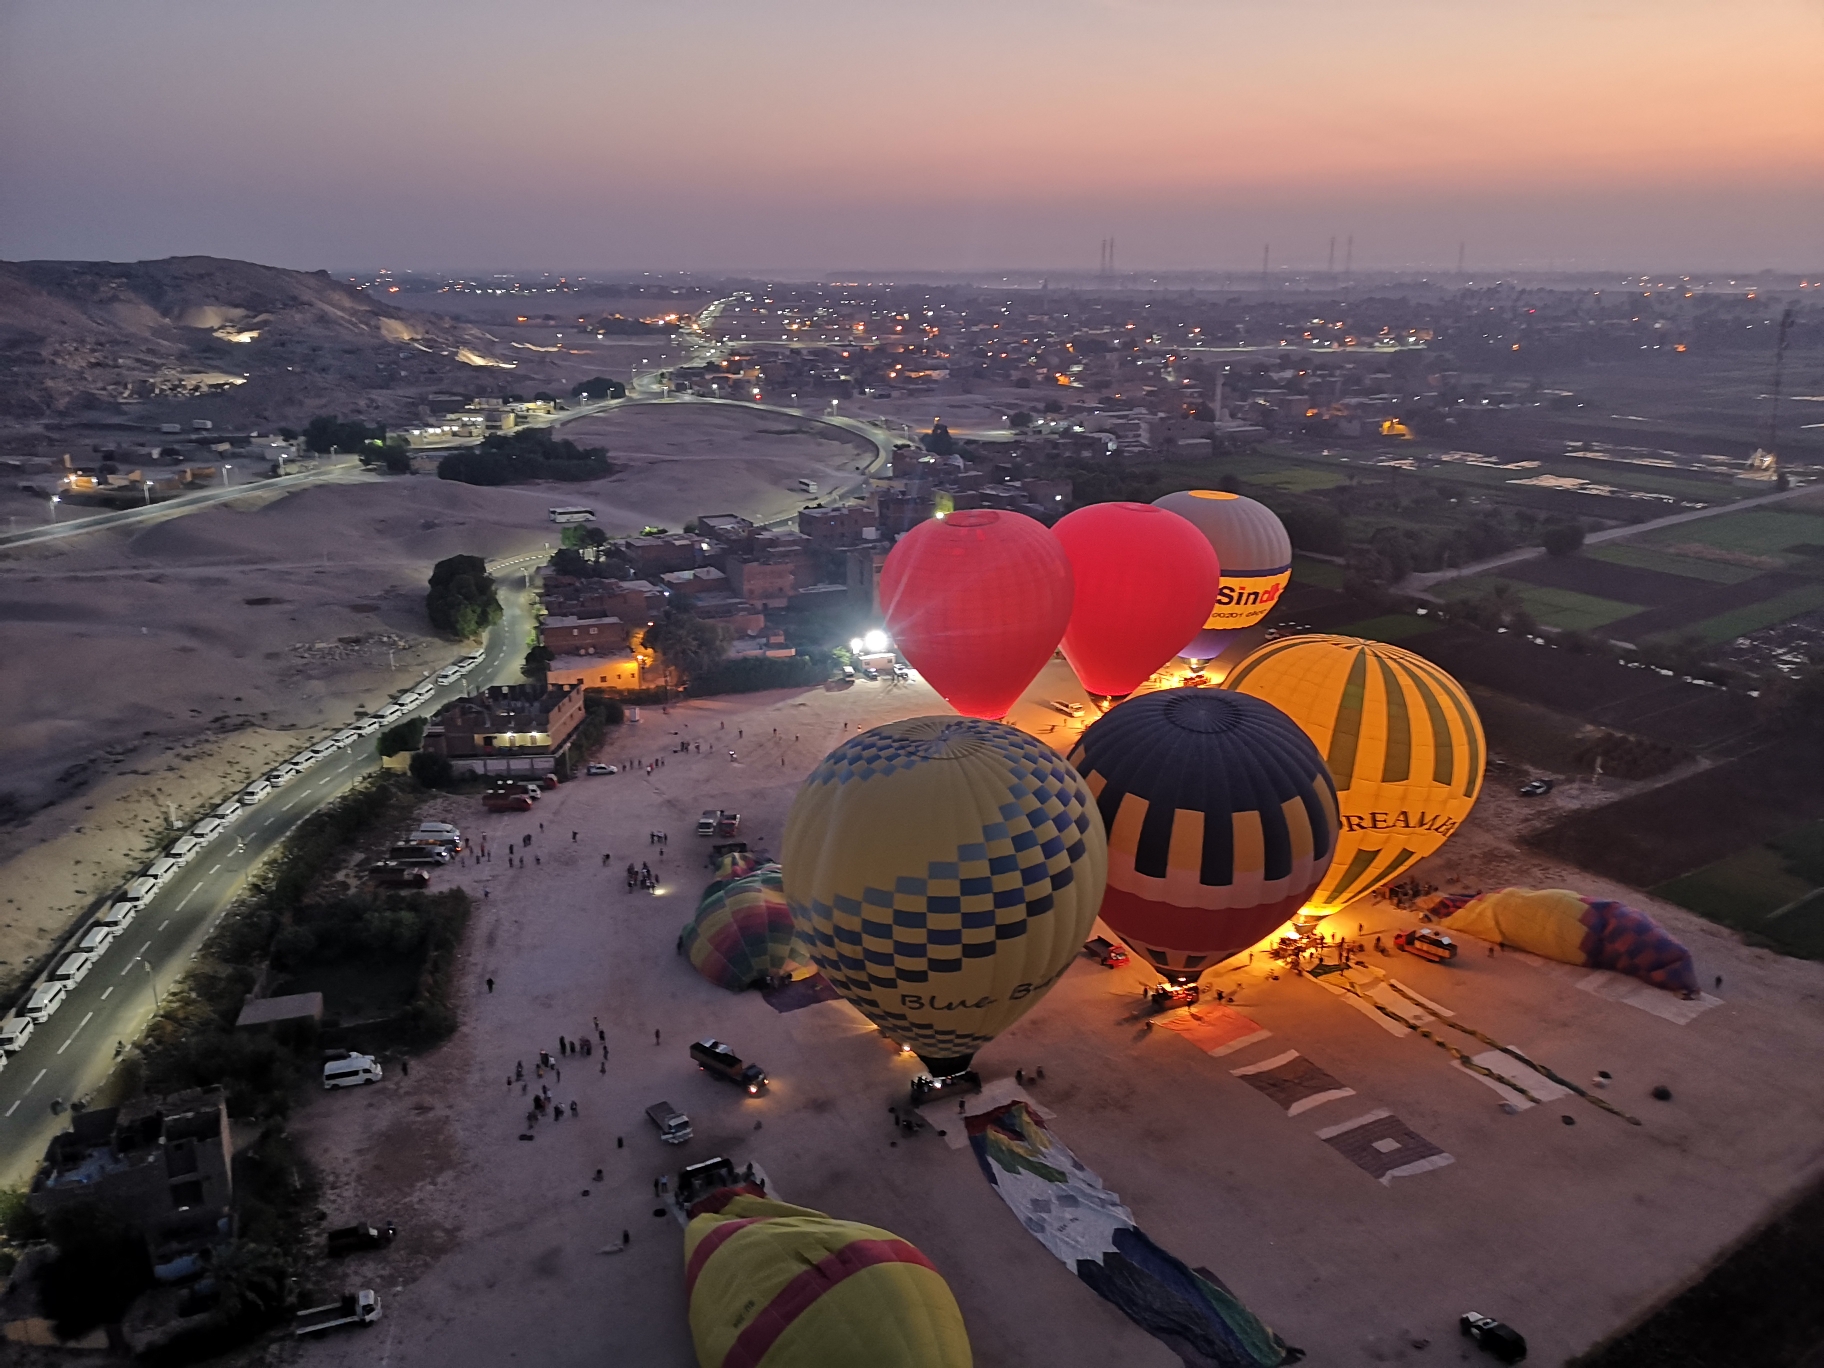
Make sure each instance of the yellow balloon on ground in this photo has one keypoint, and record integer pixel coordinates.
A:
(773, 1285)
(1402, 741)
(944, 872)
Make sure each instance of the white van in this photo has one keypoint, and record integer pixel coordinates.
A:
(96, 939)
(184, 847)
(445, 827)
(46, 998)
(140, 890)
(73, 969)
(208, 829)
(14, 1032)
(160, 870)
(351, 1072)
(116, 917)
(448, 676)
(227, 809)
(255, 791)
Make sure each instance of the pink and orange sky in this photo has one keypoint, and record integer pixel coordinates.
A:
(807, 136)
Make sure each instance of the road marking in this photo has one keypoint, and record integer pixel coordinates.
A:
(15, 1107)
(180, 907)
(104, 996)
(166, 922)
(34, 1082)
(78, 1031)
(217, 865)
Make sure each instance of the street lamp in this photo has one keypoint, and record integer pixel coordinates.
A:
(157, 1004)
(226, 467)
(55, 500)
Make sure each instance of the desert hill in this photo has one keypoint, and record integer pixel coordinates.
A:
(82, 338)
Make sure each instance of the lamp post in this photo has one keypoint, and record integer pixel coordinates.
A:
(226, 468)
(55, 500)
(157, 1003)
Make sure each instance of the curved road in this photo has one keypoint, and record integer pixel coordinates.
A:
(71, 1055)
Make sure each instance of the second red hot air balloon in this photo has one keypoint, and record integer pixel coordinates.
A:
(977, 601)
(1145, 578)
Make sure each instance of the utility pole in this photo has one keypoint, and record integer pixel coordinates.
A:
(1266, 259)
(1779, 375)
(1461, 248)
(1349, 261)
(1331, 269)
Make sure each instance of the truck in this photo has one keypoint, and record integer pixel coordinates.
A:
(674, 1126)
(728, 824)
(506, 802)
(1106, 953)
(1427, 944)
(354, 1308)
(395, 874)
(706, 823)
(357, 1238)
(713, 1057)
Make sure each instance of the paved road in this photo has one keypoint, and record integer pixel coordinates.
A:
(71, 1055)
(1418, 583)
(183, 504)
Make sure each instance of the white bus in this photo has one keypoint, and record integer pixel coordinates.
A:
(572, 515)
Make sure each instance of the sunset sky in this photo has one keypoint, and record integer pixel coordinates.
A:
(815, 135)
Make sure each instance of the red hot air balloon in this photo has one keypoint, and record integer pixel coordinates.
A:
(1146, 578)
(978, 602)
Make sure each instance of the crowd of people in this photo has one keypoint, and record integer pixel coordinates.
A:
(544, 1103)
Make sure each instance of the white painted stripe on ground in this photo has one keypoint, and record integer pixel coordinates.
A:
(34, 1082)
(1304, 1104)
(15, 1107)
(1329, 1132)
(180, 907)
(217, 865)
(104, 996)
(161, 926)
(1277, 1061)
(78, 1031)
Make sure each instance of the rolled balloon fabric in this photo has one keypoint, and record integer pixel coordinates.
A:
(1256, 556)
(943, 873)
(977, 601)
(743, 931)
(772, 1285)
(1401, 738)
(1221, 822)
(1145, 581)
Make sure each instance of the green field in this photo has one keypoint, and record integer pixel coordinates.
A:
(1300, 479)
(1391, 627)
(1745, 890)
(1565, 608)
(1753, 531)
(1753, 617)
(1669, 563)
(1322, 574)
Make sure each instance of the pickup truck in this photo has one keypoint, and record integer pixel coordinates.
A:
(674, 1126)
(1106, 953)
(927, 1089)
(356, 1238)
(714, 1057)
(706, 824)
(1427, 944)
(355, 1308)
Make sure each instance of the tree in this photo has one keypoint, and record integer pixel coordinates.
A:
(938, 441)
(462, 598)
(101, 1266)
(601, 387)
(537, 662)
(1054, 406)
(407, 736)
(432, 770)
(1562, 539)
(529, 454)
(328, 433)
(1020, 421)
(686, 643)
(567, 560)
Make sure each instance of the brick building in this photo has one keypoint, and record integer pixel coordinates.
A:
(508, 729)
(582, 636)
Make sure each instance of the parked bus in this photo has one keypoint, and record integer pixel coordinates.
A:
(572, 515)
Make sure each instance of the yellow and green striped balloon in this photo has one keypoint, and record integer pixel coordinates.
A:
(1402, 741)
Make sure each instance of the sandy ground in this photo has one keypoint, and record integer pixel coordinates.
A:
(1565, 1230)
(153, 671)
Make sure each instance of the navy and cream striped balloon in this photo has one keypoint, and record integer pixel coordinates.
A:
(1221, 821)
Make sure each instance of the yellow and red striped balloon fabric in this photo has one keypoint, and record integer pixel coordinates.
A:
(1400, 736)
(1221, 821)
(773, 1285)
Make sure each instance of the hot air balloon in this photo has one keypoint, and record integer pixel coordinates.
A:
(743, 933)
(1558, 924)
(1400, 736)
(1256, 556)
(1145, 580)
(978, 601)
(1221, 821)
(772, 1285)
(944, 872)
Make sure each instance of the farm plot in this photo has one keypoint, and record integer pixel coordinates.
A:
(1564, 608)
(1670, 562)
(1729, 609)
(1753, 531)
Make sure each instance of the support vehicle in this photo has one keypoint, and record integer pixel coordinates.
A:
(1169, 995)
(729, 824)
(396, 874)
(1503, 1341)
(674, 1126)
(714, 1057)
(1106, 953)
(352, 1071)
(356, 1238)
(355, 1308)
(706, 823)
(1427, 944)
(14, 1032)
(927, 1089)
(506, 802)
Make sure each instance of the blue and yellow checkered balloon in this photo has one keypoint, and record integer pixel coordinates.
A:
(944, 872)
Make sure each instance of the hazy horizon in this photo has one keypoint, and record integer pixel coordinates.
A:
(807, 138)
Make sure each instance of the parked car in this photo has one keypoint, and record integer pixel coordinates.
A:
(96, 939)
(601, 769)
(356, 1238)
(1503, 1341)
(926, 1088)
(674, 1125)
(714, 1057)
(1536, 788)
(395, 874)
(1426, 944)
(506, 802)
(1106, 953)
(1068, 708)
(46, 998)
(729, 824)
(352, 1071)
(706, 823)
(14, 1032)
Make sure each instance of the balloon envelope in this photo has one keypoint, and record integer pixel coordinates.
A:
(1221, 821)
(743, 930)
(944, 872)
(1401, 739)
(784, 1286)
(1145, 582)
(978, 601)
(1251, 543)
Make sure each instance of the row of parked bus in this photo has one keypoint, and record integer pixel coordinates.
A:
(73, 966)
